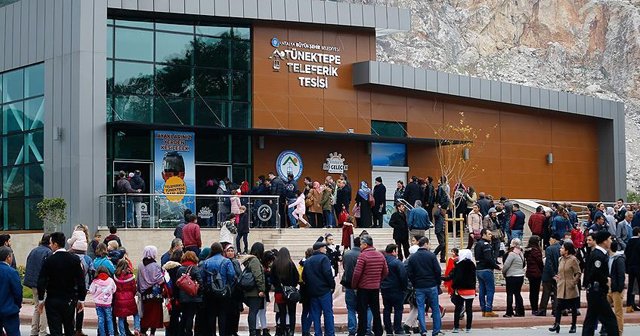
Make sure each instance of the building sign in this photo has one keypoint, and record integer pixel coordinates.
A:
(313, 63)
(289, 162)
(264, 212)
(175, 166)
(335, 164)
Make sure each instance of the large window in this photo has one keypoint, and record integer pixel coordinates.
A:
(389, 128)
(22, 159)
(179, 74)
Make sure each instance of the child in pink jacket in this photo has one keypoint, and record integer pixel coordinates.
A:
(102, 288)
(300, 208)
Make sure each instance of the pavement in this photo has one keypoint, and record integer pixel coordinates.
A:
(629, 329)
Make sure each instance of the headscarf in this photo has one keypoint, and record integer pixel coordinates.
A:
(364, 190)
(222, 186)
(413, 249)
(149, 255)
(465, 254)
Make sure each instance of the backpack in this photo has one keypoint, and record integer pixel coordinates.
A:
(247, 280)
(292, 294)
(215, 286)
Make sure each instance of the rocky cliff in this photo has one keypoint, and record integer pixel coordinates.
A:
(588, 47)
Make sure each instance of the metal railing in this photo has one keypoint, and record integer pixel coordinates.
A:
(151, 211)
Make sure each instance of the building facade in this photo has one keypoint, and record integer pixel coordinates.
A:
(258, 86)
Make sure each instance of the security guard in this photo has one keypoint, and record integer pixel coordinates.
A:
(596, 276)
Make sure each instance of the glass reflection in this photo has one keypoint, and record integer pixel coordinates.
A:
(174, 48)
(133, 44)
(133, 78)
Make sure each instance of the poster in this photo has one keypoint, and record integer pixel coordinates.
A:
(174, 172)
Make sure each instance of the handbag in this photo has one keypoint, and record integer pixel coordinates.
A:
(356, 210)
(187, 284)
(291, 293)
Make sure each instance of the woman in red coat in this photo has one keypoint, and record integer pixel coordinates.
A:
(124, 300)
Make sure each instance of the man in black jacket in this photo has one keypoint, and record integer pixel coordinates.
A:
(484, 203)
(412, 192)
(137, 183)
(424, 272)
(632, 259)
(380, 197)
(62, 279)
(392, 288)
(596, 275)
(398, 222)
(617, 282)
(485, 265)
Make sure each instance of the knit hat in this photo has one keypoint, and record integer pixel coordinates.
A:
(319, 245)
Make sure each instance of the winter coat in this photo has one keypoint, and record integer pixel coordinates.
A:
(78, 241)
(380, 197)
(397, 279)
(398, 222)
(235, 205)
(257, 270)
(371, 268)
(196, 275)
(485, 258)
(191, 235)
(36, 258)
(412, 193)
(225, 232)
(551, 255)
(536, 223)
(632, 254)
(535, 265)
(349, 261)
(568, 277)
(418, 219)
(102, 291)
(124, 299)
(10, 291)
(137, 183)
(325, 202)
(243, 224)
(316, 198)
(318, 276)
(463, 275)
(104, 261)
(514, 265)
(424, 269)
(617, 272)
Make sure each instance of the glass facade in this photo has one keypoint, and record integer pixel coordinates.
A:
(389, 128)
(22, 139)
(179, 74)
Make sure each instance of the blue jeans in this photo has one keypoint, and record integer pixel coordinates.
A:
(11, 324)
(136, 324)
(352, 308)
(393, 300)
(516, 234)
(323, 305)
(329, 219)
(305, 319)
(430, 294)
(487, 288)
(293, 222)
(104, 318)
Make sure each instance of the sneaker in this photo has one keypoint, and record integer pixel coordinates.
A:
(630, 310)
(407, 329)
(455, 330)
(416, 330)
(468, 330)
(439, 333)
(490, 314)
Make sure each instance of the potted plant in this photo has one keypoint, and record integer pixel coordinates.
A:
(53, 212)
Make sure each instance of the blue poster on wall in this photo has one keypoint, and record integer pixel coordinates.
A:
(388, 154)
(175, 174)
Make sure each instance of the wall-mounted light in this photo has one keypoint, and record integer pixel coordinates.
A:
(350, 131)
(320, 129)
(550, 158)
(466, 154)
(261, 142)
(57, 133)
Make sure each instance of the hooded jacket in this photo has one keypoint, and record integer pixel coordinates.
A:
(102, 291)
(124, 299)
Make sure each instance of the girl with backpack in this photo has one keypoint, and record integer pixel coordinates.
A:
(189, 303)
(285, 278)
(124, 300)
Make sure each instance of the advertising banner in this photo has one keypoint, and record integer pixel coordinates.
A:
(174, 173)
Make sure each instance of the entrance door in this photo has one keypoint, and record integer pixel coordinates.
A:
(390, 176)
(205, 173)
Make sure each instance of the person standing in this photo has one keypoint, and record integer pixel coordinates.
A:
(243, 231)
(418, 220)
(35, 260)
(424, 272)
(533, 257)
(370, 269)
(393, 287)
(10, 294)
(137, 183)
(176, 245)
(398, 222)
(327, 206)
(189, 304)
(463, 286)
(549, 286)
(113, 235)
(284, 274)
(320, 285)
(380, 202)
(191, 238)
(412, 191)
(349, 261)
(215, 309)
(102, 289)
(513, 270)
(291, 194)
(315, 214)
(596, 280)
(254, 297)
(363, 201)
(474, 225)
(399, 193)
(632, 258)
(438, 219)
(517, 222)
(485, 265)
(62, 280)
(536, 222)
(617, 275)
(568, 278)
(150, 284)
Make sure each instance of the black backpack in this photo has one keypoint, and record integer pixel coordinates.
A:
(215, 286)
(247, 281)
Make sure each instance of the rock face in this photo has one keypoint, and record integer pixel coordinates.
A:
(588, 47)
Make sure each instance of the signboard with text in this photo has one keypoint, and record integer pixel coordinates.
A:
(175, 167)
(314, 64)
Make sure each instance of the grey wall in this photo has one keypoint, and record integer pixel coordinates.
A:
(70, 37)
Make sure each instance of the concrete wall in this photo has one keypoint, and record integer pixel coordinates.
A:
(69, 36)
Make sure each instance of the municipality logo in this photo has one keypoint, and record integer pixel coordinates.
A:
(275, 42)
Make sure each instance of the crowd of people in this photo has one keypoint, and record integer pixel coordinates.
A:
(194, 289)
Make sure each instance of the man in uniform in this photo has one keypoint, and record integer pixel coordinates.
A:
(596, 276)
